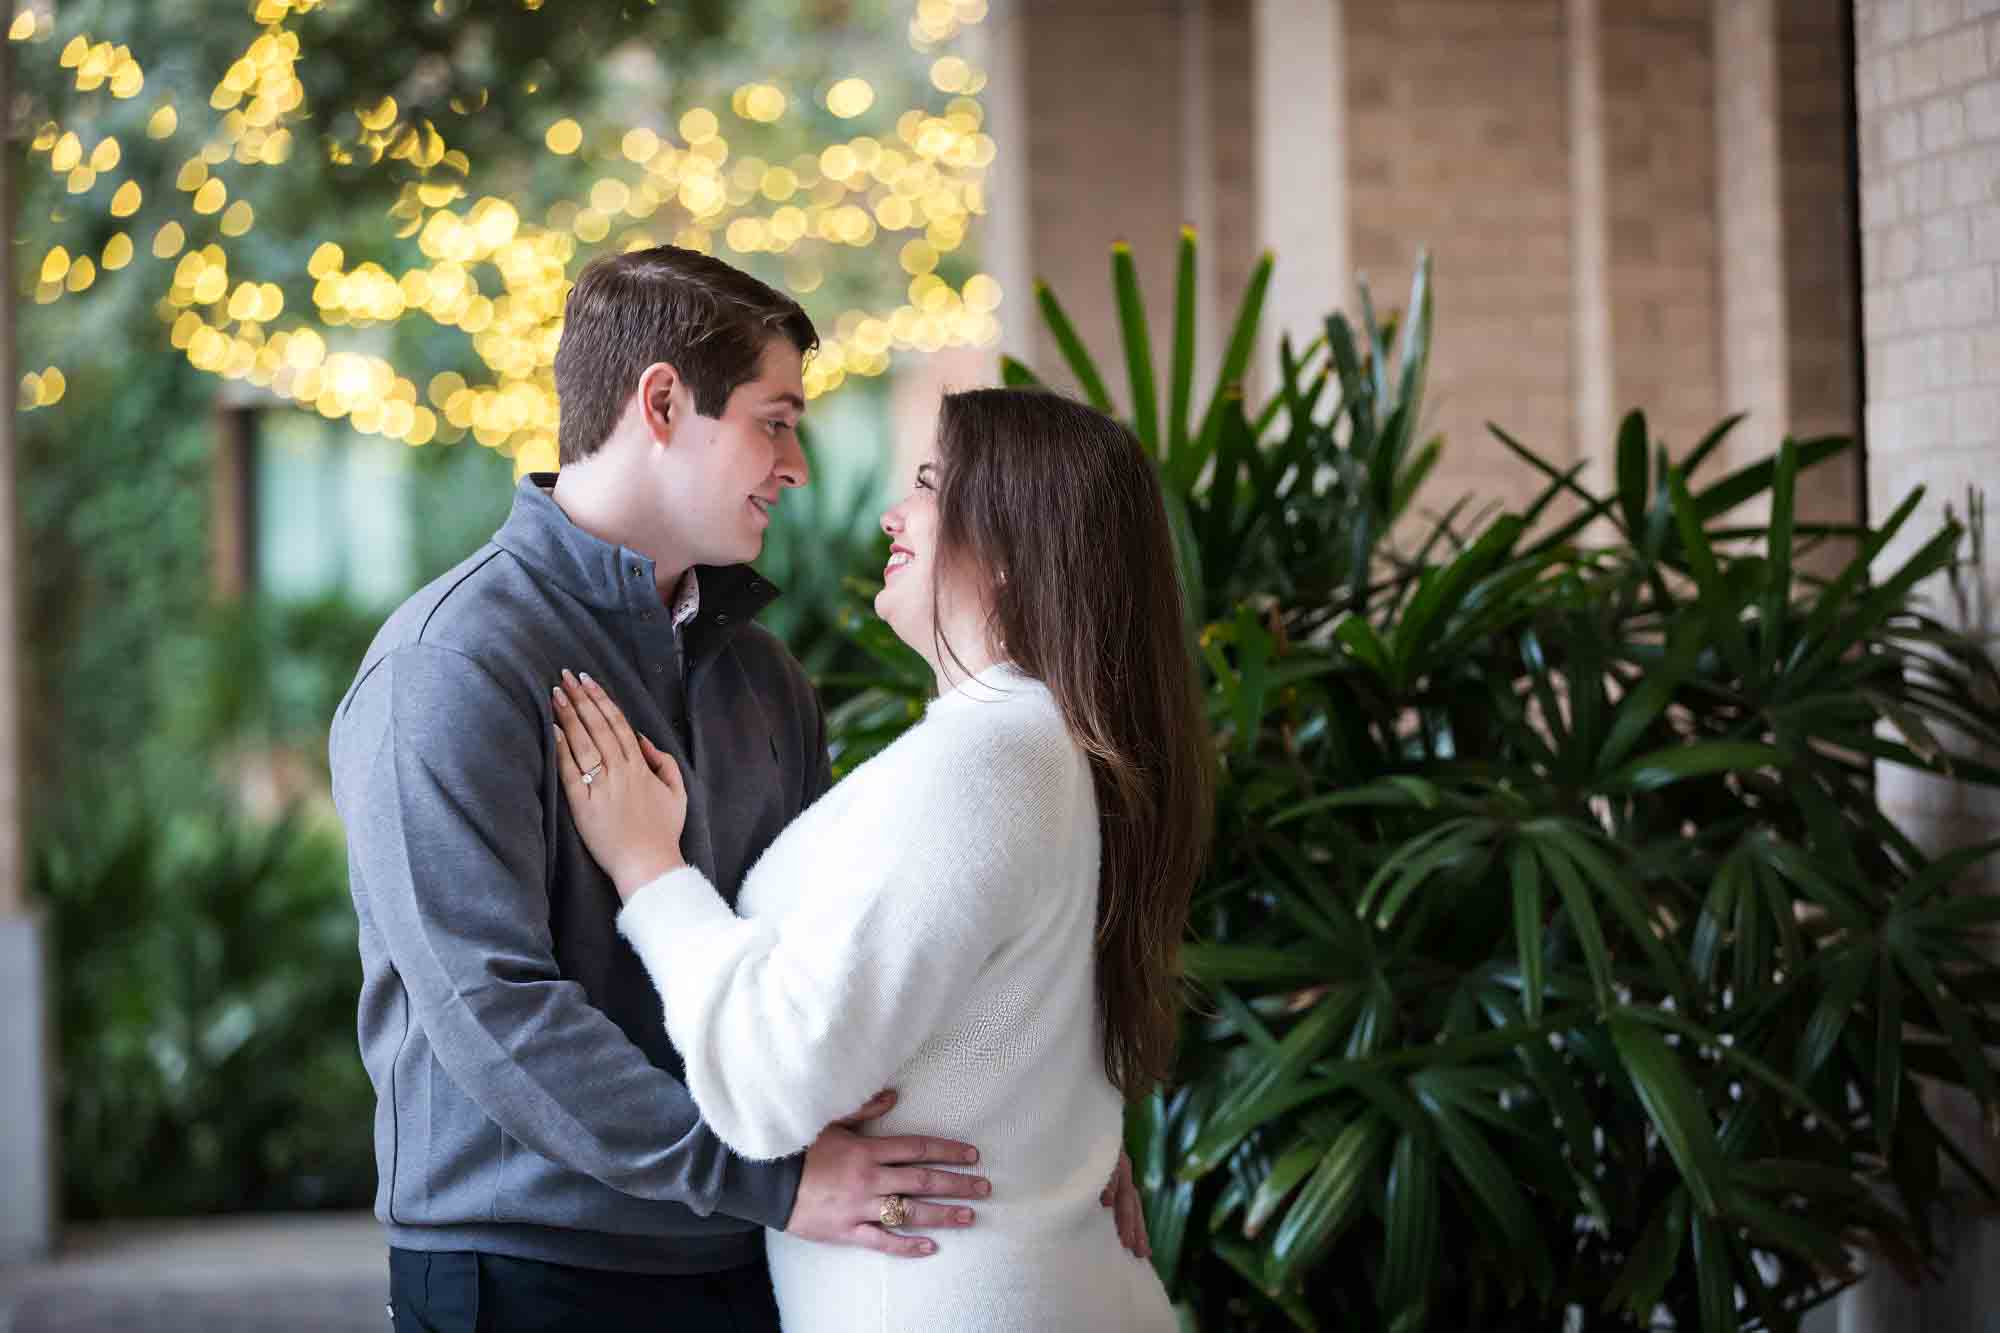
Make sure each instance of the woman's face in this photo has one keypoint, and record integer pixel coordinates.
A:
(905, 601)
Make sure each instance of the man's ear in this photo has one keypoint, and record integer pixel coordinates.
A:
(664, 401)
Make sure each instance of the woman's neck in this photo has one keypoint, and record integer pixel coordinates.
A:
(960, 658)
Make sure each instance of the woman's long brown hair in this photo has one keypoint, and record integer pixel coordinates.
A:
(1057, 510)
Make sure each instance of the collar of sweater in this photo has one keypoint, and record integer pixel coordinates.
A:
(1000, 681)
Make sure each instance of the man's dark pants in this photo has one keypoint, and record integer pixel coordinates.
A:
(463, 1292)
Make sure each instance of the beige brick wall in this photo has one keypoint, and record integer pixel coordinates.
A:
(1113, 154)
(1456, 115)
(1927, 82)
(1454, 130)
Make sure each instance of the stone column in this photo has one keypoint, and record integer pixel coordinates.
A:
(1300, 114)
(27, 1156)
(1595, 370)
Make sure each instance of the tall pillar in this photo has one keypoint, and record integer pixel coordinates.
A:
(1750, 220)
(1595, 368)
(27, 1156)
(1300, 114)
(1783, 127)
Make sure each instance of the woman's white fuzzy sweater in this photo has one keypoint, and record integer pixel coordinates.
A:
(927, 926)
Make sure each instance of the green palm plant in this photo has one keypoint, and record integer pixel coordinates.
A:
(1557, 960)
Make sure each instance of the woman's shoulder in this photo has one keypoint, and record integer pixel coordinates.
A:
(1000, 734)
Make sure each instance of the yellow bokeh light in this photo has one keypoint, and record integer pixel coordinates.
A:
(127, 200)
(238, 218)
(564, 137)
(193, 175)
(982, 293)
(327, 258)
(380, 117)
(950, 75)
(55, 264)
(699, 125)
(779, 184)
(53, 386)
(838, 162)
(68, 151)
(163, 122)
(850, 97)
(117, 252)
(639, 145)
(919, 257)
(760, 102)
(23, 26)
(80, 180)
(168, 240)
(210, 197)
(105, 156)
(610, 195)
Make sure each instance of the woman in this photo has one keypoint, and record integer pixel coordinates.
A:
(986, 915)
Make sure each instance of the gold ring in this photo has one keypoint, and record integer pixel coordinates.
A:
(895, 1210)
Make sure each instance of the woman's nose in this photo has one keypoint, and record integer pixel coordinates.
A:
(892, 519)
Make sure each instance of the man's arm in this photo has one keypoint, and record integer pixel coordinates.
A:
(437, 776)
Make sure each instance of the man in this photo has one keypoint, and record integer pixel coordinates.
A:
(542, 1165)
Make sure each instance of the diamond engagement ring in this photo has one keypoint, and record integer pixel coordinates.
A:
(895, 1210)
(591, 776)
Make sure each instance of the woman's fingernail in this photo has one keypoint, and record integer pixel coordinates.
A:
(965, 1216)
(562, 700)
(983, 1188)
(972, 1154)
(588, 681)
(925, 1247)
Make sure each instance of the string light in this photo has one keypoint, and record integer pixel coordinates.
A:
(502, 279)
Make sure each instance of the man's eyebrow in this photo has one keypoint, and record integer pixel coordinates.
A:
(791, 400)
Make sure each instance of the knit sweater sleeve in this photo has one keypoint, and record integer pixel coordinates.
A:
(788, 1022)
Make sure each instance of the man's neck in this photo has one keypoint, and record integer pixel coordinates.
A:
(591, 497)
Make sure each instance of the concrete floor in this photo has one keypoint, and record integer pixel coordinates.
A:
(310, 1273)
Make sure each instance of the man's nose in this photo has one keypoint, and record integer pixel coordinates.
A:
(792, 469)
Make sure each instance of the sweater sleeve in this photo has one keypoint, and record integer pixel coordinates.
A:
(789, 1022)
(436, 778)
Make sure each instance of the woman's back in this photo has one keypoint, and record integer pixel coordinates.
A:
(1014, 1060)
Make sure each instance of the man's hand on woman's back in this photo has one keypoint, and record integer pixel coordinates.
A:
(848, 1175)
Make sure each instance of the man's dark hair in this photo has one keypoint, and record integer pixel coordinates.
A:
(709, 321)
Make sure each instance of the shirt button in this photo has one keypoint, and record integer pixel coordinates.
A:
(637, 569)
(721, 618)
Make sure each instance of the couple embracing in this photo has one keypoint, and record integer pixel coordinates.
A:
(667, 1031)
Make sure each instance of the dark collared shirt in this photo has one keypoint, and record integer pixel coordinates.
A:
(528, 1101)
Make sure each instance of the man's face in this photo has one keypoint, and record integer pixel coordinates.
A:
(723, 474)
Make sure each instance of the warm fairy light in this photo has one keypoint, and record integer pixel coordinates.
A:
(471, 262)
(565, 136)
(849, 98)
